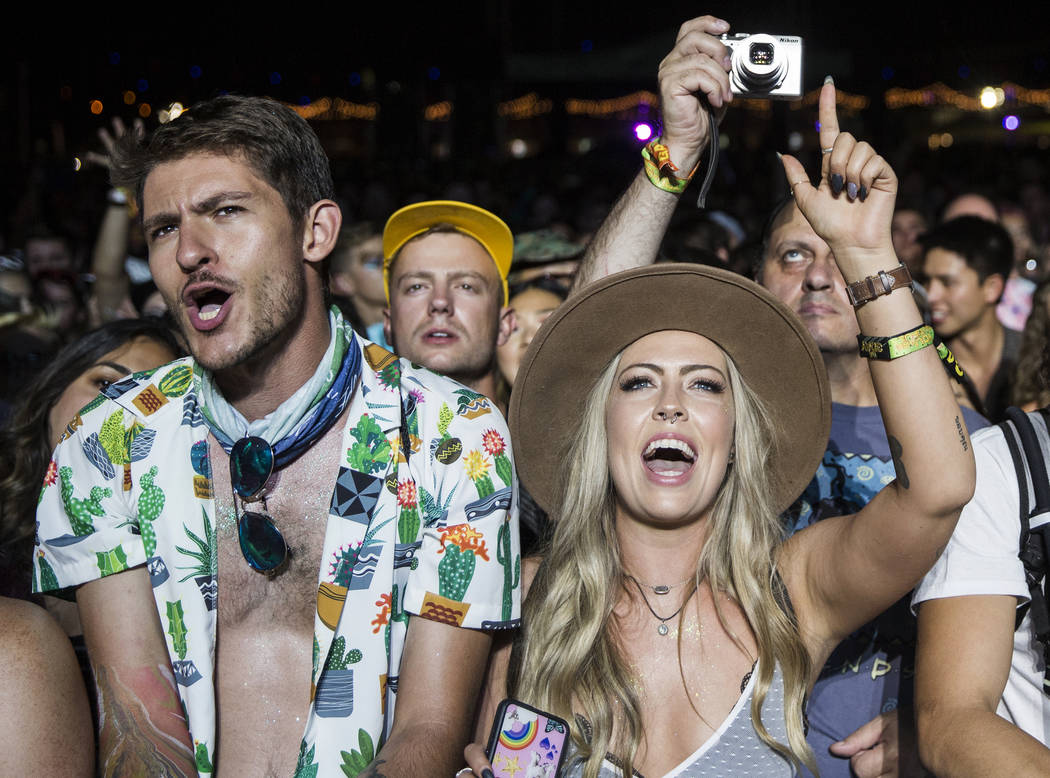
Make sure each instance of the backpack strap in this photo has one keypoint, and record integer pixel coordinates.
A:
(1034, 541)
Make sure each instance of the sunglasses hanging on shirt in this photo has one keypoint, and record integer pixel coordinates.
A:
(251, 466)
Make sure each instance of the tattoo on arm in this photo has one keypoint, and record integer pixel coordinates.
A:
(372, 771)
(897, 452)
(962, 434)
(143, 728)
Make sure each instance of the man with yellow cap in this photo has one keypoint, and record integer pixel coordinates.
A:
(445, 269)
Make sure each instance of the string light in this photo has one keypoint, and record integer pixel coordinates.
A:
(438, 112)
(524, 107)
(615, 105)
(327, 108)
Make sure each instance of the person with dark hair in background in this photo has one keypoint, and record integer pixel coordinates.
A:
(286, 619)
(51, 734)
(356, 276)
(966, 262)
(908, 225)
(71, 380)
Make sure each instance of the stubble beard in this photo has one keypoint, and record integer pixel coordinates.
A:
(276, 304)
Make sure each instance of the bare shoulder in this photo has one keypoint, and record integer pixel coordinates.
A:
(39, 678)
(30, 638)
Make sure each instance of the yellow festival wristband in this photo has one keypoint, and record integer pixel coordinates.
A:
(896, 346)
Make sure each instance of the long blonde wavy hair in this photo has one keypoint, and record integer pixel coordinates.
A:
(566, 660)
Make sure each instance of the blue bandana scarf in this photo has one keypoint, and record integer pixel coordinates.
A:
(303, 418)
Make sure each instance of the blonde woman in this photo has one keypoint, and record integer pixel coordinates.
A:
(664, 417)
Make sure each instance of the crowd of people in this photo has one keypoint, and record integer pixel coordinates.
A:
(759, 506)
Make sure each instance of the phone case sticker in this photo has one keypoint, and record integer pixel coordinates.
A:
(529, 745)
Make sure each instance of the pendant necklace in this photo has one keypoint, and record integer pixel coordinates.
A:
(661, 588)
(662, 629)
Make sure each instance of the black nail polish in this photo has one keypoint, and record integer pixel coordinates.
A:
(487, 773)
(863, 193)
(851, 191)
(836, 183)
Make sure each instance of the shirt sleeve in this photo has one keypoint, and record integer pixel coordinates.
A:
(981, 556)
(469, 569)
(87, 525)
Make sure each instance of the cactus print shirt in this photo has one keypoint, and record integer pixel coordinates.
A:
(423, 521)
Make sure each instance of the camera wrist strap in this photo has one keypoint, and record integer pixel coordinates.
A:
(712, 157)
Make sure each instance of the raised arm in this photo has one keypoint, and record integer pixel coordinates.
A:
(142, 727)
(842, 572)
(695, 70)
(112, 287)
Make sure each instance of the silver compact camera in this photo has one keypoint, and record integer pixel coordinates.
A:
(765, 65)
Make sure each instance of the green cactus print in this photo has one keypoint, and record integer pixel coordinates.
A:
(484, 485)
(355, 762)
(204, 764)
(408, 519)
(408, 525)
(504, 469)
(397, 613)
(445, 417)
(390, 376)
(150, 504)
(371, 451)
(341, 659)
(112, 438)
(81, 511)
(511, 579)
(177, 628)
(316, 656)
(48, 579)
(113, 561)
(305, 767)
(206, 556)
(454, 572)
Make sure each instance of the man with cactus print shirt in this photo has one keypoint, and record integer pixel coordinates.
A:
(333, 616)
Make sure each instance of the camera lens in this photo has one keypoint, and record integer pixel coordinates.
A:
(758, 65)
(761, 53)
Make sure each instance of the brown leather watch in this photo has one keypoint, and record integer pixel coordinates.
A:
(884, 282)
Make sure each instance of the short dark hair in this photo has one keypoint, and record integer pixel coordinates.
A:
(984, 245)
(771, 224)
(271, 138)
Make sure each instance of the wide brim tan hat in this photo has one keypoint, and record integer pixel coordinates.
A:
(768, 343)
(483, 226)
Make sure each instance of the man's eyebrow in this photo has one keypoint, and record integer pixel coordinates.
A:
(203, 206)
(801, 243)
(211, 203)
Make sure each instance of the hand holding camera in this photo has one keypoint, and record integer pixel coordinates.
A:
(708, 64)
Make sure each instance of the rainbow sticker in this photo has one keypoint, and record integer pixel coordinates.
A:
(519, 734)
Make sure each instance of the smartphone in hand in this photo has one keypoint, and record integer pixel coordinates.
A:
(525, 742)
